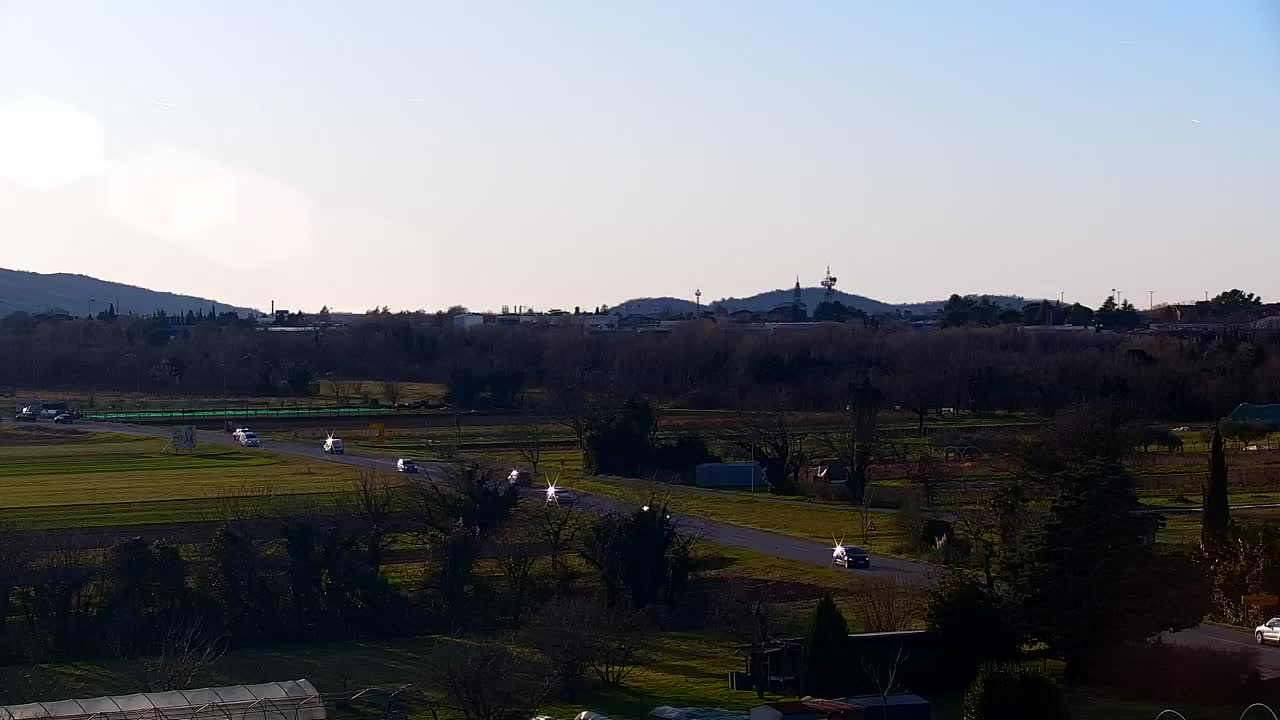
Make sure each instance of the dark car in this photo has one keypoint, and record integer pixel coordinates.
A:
(858, 558)
(24, 417)
(64, 418)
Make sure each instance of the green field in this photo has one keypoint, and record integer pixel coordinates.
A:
(108, 479)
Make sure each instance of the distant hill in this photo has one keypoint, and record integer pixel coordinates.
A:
(811, 297)
(35, 292)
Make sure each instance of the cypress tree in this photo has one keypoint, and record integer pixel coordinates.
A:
(1215, 515)
(825, 648)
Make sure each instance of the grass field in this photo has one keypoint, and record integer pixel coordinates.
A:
(106, 479)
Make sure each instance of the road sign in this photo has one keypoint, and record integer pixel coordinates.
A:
(1260, 600)
(871, 526)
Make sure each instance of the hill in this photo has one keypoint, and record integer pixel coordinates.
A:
(812, 296)
(36, 292)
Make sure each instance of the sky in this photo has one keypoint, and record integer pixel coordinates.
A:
(558, 154)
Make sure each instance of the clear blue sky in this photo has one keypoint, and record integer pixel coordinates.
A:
(422, 154)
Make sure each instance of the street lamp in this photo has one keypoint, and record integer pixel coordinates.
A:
(90, 308)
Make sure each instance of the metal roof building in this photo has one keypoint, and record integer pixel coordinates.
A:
(289, 700)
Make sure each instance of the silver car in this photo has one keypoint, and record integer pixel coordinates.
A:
(1268, 631)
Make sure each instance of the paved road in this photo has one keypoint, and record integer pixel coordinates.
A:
(783, 546)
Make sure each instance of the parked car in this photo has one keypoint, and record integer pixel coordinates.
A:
(1268, 631)
(333, 446)
(405, 465)
(250, 439)
(24, 417)
(64, 419)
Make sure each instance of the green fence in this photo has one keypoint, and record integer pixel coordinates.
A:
(248, 412)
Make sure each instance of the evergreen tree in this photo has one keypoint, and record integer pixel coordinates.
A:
(1094, 578)
(1215, 515)
(825, 650)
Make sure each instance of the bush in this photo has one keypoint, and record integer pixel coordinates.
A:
(1014, 692)
(973, 625)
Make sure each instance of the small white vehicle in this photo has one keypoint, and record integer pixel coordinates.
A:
(239, 433)
(333, 446)
(405, 465)
(1268, 631)
(250, 439)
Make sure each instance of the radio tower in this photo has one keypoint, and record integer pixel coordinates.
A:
(829, 283)
(697, 294)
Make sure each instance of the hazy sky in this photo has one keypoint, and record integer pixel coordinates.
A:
(420, 154)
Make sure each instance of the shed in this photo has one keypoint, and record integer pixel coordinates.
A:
(729, 475)
(288, 700)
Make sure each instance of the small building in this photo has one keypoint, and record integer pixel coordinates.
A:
(897, 706)
(807, 709)
(729, 475)
(781, 666)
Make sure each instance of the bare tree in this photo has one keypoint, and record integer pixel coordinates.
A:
(885, 677)
(854, 444)
(517, 564)
(372, 501)
(927, 473)
(994, 519)
(562, 632)
(559, 525)
(392, 390)
(884, 605)
(745, 610)
(772, 440)
(530, 441)
(485, 681)
(338, 388)
(185, 650)
(622, 644)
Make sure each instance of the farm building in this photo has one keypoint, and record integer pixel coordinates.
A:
(1268, 415)
(289, 700)
(729, 475)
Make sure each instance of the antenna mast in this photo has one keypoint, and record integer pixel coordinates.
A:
(829, 283)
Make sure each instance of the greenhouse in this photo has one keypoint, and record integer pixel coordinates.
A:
(290, 700)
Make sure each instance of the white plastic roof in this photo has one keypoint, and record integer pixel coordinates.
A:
(289, 700)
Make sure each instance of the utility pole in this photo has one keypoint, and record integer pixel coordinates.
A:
(1151, 301)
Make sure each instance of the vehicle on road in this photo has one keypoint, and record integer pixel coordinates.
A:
(24, 417)
(250, 439)
(405, 465)
(858, 558)
(850, 557)
(333, 446)
(65, 419)
(1268, 631)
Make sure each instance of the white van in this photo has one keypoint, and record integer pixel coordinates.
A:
(333, 446)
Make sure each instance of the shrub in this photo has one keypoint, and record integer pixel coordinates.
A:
(973, 625)
(1014, 692)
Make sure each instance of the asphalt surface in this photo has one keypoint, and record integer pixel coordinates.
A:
(1207, 636)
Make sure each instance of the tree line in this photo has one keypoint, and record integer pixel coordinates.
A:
(698, 365)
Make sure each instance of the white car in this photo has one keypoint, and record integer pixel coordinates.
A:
(405, 465)
(333, 446)
(240, 433)
(1268, 631)
(249, 439)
